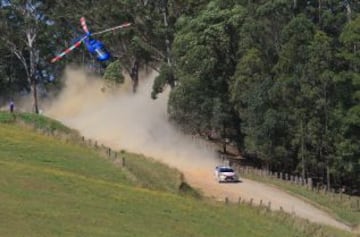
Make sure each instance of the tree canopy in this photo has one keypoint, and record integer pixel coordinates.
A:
(279, 79)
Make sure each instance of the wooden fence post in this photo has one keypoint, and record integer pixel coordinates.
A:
(310, 183)
(123, 161)
(226, 200)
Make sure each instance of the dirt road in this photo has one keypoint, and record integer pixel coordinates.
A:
(138, 124)
(248, 189)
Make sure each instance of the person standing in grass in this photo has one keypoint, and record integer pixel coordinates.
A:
(11, 106)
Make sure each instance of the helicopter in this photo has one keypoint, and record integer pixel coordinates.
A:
(95, 47)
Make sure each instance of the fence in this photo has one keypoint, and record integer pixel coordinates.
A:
(259, 203)
(105, 151)
(352, 202)
(348, 201)
(293, 179)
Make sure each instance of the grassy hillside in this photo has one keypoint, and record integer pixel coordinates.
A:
(139, 170)
(49, 187)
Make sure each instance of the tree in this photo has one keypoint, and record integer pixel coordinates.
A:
(113, 74)
(249, 92)
(320, 87)
(348, 147)
(25, 29)
(286, 93)
(251, 86)
(147, 43)
(205, 51)
(23, 18)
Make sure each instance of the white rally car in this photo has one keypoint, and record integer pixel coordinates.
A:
(225, 174)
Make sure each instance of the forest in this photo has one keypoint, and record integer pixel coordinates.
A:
(279, 79)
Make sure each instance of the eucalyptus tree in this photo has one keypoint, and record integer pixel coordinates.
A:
(205, 57)
(320, 87)
(289, 95)
(23, 18)
(27, 28)
(142, 44)
(349, 90)
(11, 74)
(253, 82)
(249, 94)
(147, 44)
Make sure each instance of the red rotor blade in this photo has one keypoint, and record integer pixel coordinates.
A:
(68, 50)
(83, 25)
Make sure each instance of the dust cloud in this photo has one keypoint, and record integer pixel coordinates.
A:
(124, 120)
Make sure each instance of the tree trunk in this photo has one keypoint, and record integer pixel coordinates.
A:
(35, 97)
(302, 150)
(167, 41)
(326, 115)
(327, 145)
(33, 60)
(225, 138)
(319, 14)
(348, 10)
(33, 79)
(135, 75)
(328, 184)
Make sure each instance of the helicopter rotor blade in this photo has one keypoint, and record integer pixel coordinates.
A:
(112, 29)
(83, 25)
(68, 50)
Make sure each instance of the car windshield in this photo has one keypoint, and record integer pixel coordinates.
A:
(226, 170)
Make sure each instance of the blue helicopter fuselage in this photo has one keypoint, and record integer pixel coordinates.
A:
(97, 48)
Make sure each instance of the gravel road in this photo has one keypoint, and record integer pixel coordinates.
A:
(249, 189)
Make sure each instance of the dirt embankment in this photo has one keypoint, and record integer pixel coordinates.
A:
(137, 123)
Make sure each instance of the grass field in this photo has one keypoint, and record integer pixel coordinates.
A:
(49, 187)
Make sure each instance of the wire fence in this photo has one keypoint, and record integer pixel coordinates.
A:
(351, 202)
(115, 156)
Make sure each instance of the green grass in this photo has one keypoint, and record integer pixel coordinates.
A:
(43, 122)
(153, 174)
(6, 117)
(37, 121)
(20, 144)
(343, 209)
(49, 187)
(39, 201)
